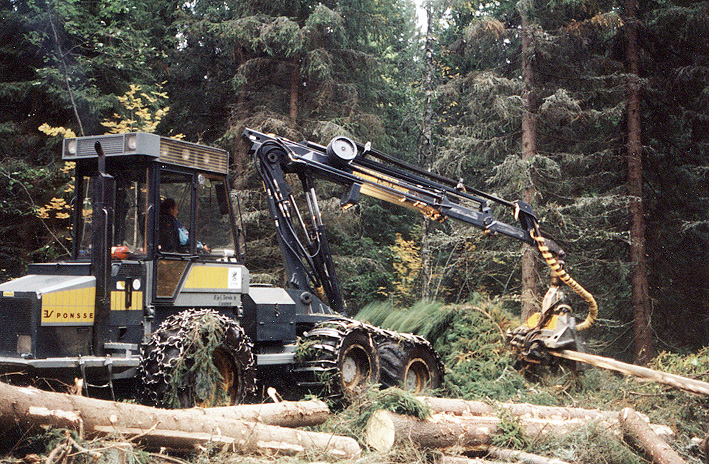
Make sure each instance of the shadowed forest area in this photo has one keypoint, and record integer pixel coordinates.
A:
(595, 112)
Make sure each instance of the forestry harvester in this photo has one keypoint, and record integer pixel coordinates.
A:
(182, 321)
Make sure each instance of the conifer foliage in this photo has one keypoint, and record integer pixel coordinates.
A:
(526, 99)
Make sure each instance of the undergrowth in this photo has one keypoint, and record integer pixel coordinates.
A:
(352, 420)
(590, 444)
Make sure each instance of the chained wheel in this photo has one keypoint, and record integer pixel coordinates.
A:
(358, 363)
(197, 358)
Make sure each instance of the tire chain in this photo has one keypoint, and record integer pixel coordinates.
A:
(317, 370)
(166, 347)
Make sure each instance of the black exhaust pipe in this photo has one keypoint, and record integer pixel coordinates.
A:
(103, 199)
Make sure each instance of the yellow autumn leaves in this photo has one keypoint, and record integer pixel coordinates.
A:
(142, 111)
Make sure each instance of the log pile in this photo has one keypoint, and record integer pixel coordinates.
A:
(248, 428)
(470, 426)
(455, 425)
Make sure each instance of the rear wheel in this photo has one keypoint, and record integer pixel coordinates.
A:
(197, 358)
(422, 370)
(336, 359)
(358, 363)
(411, 365)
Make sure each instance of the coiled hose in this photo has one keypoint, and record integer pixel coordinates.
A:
(564, 276)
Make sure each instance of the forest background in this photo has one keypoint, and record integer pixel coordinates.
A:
(594, 111)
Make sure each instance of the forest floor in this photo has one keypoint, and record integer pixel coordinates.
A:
(478, 368)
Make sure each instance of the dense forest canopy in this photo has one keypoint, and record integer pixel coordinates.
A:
(594, 111)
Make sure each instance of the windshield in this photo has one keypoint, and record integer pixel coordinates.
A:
(209, 232)
(130, 213)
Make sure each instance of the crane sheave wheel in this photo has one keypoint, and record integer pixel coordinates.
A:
(197, 358)
(358, 363)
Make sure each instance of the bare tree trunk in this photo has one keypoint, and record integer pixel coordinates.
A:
(530, 295)
(677, 381)
(521, 457)
(283, 414)
(641, 300)
(462, 407)
(464, 433)
(294, 92)
(638, 431)
(426, 148)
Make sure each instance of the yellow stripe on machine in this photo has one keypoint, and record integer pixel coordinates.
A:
(207, 277)
(203, 277)
(69, 307)
(118, 301)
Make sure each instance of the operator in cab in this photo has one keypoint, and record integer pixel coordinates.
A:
(172, 235)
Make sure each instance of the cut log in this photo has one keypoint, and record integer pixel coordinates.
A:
(480, 408)
(638, 431)
(522, 457)
(284, 414)
(533, 414)
(471, 433)
(30, 408)
(677, 381)
(386, 429)
(506, 455)
(464, 460)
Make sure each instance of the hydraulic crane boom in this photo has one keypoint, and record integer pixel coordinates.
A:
(364, 171)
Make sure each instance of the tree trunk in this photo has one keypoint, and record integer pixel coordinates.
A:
(464, 460)
(469, 433)
(683, 383)
(32, 409)
(639, 432)
(521, 457)
(641, 300)
(426, 148)
(294, 92)
(284, 414)
(530, 295)
(479, 408)
(386, 429)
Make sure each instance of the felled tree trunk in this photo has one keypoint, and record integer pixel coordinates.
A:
(479, 408)
(640, 433)
(677, 381)
(386, 429)
(464, 460)
(471, 433)
(506, 455)
(284, 414)
(543, 419)
(30, 409)
(522, 457)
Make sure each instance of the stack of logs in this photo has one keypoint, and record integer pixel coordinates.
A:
(471, 425)
(270, 428)
(262, 428)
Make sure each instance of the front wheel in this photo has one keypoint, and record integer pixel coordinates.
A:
(197, 358)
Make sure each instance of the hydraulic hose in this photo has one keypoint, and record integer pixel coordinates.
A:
(564, 276)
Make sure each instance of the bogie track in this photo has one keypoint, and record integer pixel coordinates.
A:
(339, 358)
